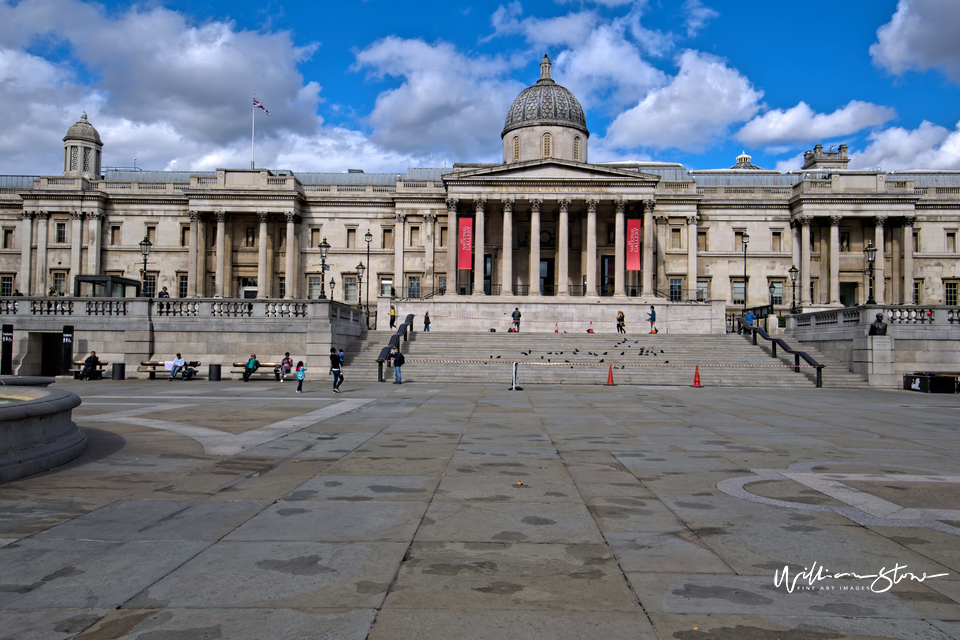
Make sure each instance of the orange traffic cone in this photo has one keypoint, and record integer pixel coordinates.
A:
(556, 327)
(590, 330)
(696, 377)
(610, 377)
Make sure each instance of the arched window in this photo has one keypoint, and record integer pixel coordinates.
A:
(576, 148)
(516, 148)
(547, 145)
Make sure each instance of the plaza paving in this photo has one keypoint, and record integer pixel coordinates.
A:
(231, 510)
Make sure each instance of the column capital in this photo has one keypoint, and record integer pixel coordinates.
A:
(803, 221)
(693, 219)
(194, 215)
(452, 205)
(76, 215)
(399, 216)
(661, 220)
(41, 215)
(95, 215)
(507, 202)
(879, 220)
(221, 216)
(564, 204)
(430, 216)
(592, 204)
(26, 215)
(291, 216)
(479, 203)
(910, 220)
(620, 205)
(648, 205)
(263, 216)
(535, 204)
(835, 220)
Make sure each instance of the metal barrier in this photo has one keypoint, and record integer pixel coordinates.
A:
(786, 348)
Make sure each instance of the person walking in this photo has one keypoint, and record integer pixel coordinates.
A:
(178, 363)
(301, 374)
(426, 321)
(621, 319)
(336, 368)
(516, 319)
(393, 316)
(398, 361)
(653, 319)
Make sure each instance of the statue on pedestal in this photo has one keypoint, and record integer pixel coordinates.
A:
(878, 328)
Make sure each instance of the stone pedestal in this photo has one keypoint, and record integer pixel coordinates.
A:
(873, 357)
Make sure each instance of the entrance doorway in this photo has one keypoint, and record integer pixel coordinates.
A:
(248, 287)
(848, 294)
(487, 273)
(606, 275)
(546, 277)
(51, 354)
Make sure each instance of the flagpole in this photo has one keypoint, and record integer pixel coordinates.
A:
(253, 119)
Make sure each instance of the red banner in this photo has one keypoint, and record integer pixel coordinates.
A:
(633, 245)
(465, 242)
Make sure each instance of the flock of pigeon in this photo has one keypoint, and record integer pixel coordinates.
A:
(643, 351)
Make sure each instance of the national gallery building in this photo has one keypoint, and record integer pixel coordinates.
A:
(543, 225)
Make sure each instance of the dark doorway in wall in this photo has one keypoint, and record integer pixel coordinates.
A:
(51, 354)
(848, 294)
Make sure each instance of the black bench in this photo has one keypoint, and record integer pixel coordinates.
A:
(95, 374)
(152, 368)
(266, 368)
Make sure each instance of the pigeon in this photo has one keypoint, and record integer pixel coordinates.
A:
(560, 354)
(568, 361)
(601, 359)
(661, 350)
(666, 362)
(548, 359)
(604, 353)
(622, 352)
(541, 357)
(498, 357)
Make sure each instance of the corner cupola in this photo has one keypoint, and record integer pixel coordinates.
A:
(82, 148)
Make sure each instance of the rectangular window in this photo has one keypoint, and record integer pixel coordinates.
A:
(917, 285)
(916, 242)
(213, 285)
(150, 285)
(152, 235)
(350, 288)
(351, 238)
(60, 281)
(413, 286)
(282, 287)
(8, 238)
(282, 240)
(442, 284)
(950, 294)
(777, 298)
(443, 236)
(182, 282)
(386, 287)
(738, 292)
(115, 235)
(314, 238)
(184, 236)
(675, 238)
(387, 238)
(611, 233)
(813, 291)
(703, 290)
(313, 287)
(844, 241)
(6, 285)
(61, 232)
(701, 241)
(951, 242)
(676, 288)
(776, 242)
(212, 234)
(250, 237)
(414, 236)
(738, 240)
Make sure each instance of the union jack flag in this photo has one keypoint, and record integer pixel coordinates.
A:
(256, 104)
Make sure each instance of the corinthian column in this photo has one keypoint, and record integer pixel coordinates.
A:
(535, 246)
(479, 241)
(647, 281)
(619, 288)
(222, 251)
(908, 222)
(94, 236)
(879, 293)
(692, 256)
(290, 280)
(453, 245)
(662, 252)
(835, 259)
(592, 247)
(563, 251)
(804, 222)
(26, 250)
(398, 235)
(41, 253)
(263, 287)
(429, 220)
(76, 248)
(506, 262)
(192, 259)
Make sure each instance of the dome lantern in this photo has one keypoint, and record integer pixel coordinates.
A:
(82, 149)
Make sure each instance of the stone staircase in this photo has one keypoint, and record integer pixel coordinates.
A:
(487, 358)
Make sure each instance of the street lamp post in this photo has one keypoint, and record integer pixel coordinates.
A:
(746, 239)
(333, 283)
(324, 247)
(145, 246)
(368, 237)
(794, 272)
(870, 252)
(773, 290)
(360, 270)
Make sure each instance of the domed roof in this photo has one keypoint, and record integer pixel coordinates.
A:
(83, 130)
(545, 103)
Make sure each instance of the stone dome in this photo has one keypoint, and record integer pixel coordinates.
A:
(545, 103)
(83, 130)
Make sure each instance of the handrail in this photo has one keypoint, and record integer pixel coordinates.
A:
(783, 345)
(394, 342)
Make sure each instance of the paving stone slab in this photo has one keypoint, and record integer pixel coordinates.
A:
(388, 466)
(754, 627)
(479, 466)
(472, 576)
(671, 552)
(44, 574)
(47, 624)
(156, 520)
(333, 521)
(601, 474)
(506, 489)
(639, 461)
(500, 522)
(624, 514)
(403, 624)
(21, 518)
(365, 488)
(279, 574)
(494, 451)
(245, 624)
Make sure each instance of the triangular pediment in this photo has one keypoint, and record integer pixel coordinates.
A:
(547, 169)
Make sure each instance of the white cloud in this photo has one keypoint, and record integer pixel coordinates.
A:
(446, 102)
(790, 164)
(922, 34)
(696, 107)
(929, 146)
(697, 16)
(802, 124)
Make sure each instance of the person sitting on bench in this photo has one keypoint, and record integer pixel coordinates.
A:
(252, 365)
(89, 366)
(178, 363)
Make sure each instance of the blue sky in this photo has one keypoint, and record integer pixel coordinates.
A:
(383, 85)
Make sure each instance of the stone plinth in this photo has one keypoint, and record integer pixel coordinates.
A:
(874, 357)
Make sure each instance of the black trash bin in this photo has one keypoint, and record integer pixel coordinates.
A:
(213, 373)
(119, 371)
